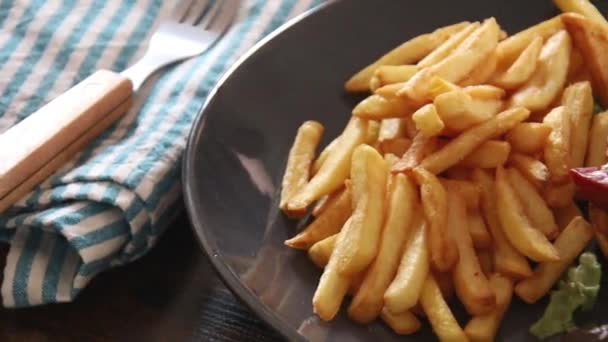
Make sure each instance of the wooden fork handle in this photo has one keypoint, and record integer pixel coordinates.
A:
(30, 145)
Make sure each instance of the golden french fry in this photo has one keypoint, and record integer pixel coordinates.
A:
(373, 132)
(443, 50)
(511, 48)
(564, 215)
(377, 107)
(301, 156)
(407, 53)
(468, 141)
(368, 175)
(523, 236)
(404, 291)
(534, 170)
(335, 169)
(428, 121)
(482, 73)
(557, 149)
(478, 230)
(328, 223)
(321, 204)
(457, 65)
(316, 166)
(392, 129)
(598, 141)
(439, 314)
(368, 302)
(529, 137)
(472, 287)
(403, 323)
(396, 147)
(486, 261)
(591, 39)
(485, 92)
(549, 76)
(489, 155)
(484, 328)
(459, 110)
(391, 160)
(321, 251)
(536, 209)
(584, 7)
(444, 253)
(569, 245)
(333, 285)
(522, 68)
(578, 100)
(439, 86)
(389, 74)
(559, 195)
(421, 146)
(507, 260)
(469, 191)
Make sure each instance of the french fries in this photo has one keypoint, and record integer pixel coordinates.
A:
(332, 286)
(471, 285)
(334, 170)
(534, 170)
(522, 68)
(509, 49)
(368, 174)
(404, 291)
(459, 110)
(591, 38)
(301, 156)
(443, 250)
(454, 171)
(443, 50)
(529, 137)
(428, 121)
(403, 323)
(483, 328)
(321, 251)
(468, 141)
(439, 314)
(598, 144)
(583, 7)
(489, 155)
(421, 146)
(407, 53)
(478, 230)
(569, 245)
(549, 77)
(557, 150)
(507, 260)
(390, 74)
(328, 223)
(457, 65)
(526, 239)
(368, 301)
(578, 101)
(536, 209)
(564, 215)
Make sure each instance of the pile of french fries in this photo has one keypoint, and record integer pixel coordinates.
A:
(453, 175)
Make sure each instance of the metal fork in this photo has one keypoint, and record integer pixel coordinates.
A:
(181, 37)
(37, 146)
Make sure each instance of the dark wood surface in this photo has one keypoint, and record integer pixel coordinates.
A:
(171, 294)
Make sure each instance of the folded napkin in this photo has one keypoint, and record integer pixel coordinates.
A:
(111, 203)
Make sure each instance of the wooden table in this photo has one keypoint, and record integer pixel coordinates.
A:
(171, 294)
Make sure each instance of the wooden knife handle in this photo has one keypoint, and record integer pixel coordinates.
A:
(28, 146)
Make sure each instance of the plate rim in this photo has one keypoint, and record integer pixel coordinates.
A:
(199, 124)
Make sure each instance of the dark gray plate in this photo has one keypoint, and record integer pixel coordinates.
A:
(238, 148)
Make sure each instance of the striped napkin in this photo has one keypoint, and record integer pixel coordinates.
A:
(111, 203)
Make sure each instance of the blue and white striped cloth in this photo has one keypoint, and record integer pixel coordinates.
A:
(111, 203)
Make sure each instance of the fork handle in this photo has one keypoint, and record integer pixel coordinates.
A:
(29, 146)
